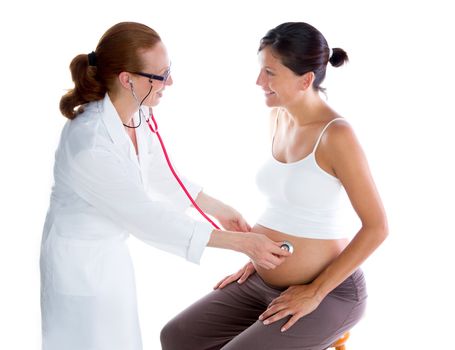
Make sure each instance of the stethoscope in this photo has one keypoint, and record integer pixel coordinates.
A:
(287, 246)
(154, 129)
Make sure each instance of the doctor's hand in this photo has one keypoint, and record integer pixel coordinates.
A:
(263, 251)
(240, 276)
(232, 220)
(296, 301)
(227, 216)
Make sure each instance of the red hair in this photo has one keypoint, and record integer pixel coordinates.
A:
(117, 51)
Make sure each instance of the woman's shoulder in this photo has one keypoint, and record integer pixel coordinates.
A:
(85, 131)
(338, 127)
(339, 135)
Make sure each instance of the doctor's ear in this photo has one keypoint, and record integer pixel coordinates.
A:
(126, 80)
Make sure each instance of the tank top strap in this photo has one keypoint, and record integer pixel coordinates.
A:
(275, 125)
(278, 114)
(322, 133)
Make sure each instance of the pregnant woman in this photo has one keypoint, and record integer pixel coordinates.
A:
(319, 292)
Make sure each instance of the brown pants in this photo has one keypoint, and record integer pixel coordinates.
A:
(228, 319)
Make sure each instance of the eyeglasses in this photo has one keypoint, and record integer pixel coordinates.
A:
(162, 78)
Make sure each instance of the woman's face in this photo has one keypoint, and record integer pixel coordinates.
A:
(156, 61)
(280, 84)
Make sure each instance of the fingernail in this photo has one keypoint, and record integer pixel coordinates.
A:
(266, 322)
(260, 318)
(283, 329)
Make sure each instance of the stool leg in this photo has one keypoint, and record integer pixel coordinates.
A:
(339, 344)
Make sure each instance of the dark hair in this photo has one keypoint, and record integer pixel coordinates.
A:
(302, 48)
(94, 74)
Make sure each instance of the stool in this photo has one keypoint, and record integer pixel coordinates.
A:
(339, 344)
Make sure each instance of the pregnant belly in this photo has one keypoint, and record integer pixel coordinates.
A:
(309, 259)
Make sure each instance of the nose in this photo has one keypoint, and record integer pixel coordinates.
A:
(169, 80)
(260, 79)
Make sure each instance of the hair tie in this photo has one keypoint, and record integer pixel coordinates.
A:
(92, 59)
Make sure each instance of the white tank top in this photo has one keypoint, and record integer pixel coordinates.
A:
(303, 200)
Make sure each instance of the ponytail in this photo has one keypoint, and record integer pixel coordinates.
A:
(86, 87)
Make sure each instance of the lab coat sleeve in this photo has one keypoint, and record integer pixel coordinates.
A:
(163, 183)
(112, 185)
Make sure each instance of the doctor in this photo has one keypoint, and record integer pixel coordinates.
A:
(111, 180)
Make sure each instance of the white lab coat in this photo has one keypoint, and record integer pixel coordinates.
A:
(102, 193)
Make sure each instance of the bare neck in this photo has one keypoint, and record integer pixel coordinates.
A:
(125, 107)
(308, 109)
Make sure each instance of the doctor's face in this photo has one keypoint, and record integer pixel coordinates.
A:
(156, 72)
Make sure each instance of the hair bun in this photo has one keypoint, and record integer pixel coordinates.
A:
(338, 57)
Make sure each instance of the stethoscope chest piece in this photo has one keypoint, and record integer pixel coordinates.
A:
(287, 246)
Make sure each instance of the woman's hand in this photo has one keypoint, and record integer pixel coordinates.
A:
(240, 276)
(231, 220)
(297, 301)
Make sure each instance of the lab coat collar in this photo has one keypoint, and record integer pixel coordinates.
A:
(116, 130)
(113, 122)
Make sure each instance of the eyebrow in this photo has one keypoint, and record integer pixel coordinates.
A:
(168, 67)
(164, 69)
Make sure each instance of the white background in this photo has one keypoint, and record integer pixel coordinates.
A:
(396, 92)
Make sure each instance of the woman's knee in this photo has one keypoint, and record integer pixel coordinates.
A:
(172, 334)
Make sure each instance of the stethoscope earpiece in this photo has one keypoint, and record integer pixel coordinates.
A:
(130, 81)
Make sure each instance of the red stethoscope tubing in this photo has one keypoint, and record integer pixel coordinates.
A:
(154, 130)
